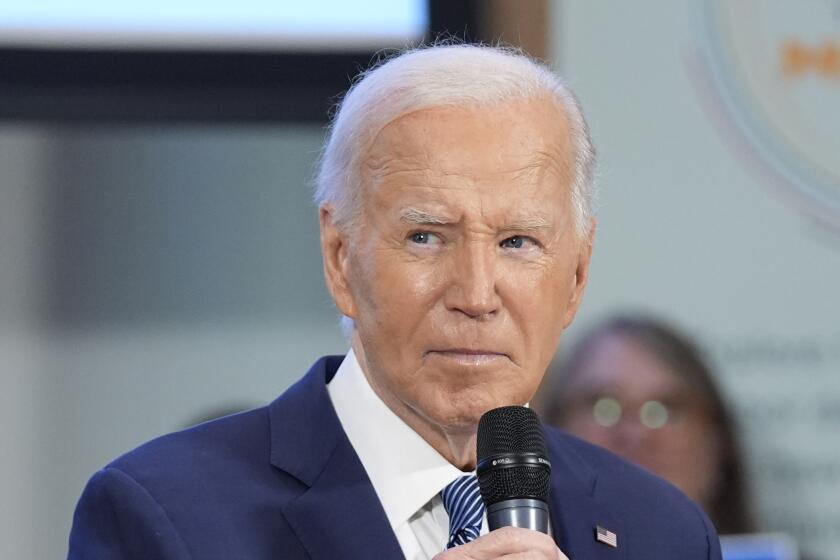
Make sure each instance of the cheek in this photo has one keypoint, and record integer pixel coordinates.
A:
(414, 284)
(696, 445)
(537, 300)
(581, 425)
(393, 295)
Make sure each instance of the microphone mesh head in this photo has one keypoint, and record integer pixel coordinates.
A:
(511, 431)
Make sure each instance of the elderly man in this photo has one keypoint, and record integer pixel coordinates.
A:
(454, 197)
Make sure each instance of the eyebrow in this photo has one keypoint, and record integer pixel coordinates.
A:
(422, 217)
(531, 223)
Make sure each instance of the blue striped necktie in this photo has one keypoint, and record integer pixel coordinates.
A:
(462, 500)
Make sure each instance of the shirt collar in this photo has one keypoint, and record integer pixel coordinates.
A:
(406, 472)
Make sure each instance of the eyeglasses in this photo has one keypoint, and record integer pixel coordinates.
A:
(608, 411)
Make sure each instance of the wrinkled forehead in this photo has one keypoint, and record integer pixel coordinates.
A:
(527, 135)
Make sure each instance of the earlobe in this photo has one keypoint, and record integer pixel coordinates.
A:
(334, 249)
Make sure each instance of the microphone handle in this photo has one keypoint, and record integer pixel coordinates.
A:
(521, 512)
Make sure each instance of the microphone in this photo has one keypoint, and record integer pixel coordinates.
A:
(514, 473)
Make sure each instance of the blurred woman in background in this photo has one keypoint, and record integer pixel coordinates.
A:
(642, 390)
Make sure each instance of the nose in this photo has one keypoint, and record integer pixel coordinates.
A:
(632, 432)
(473, 289)
(633, 440)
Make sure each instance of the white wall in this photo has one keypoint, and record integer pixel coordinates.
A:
(22, 156)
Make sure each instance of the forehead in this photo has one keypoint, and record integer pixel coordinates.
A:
(524, 140)
(527, 127)
(624, 365)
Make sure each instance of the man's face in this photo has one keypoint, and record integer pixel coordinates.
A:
(465, 265)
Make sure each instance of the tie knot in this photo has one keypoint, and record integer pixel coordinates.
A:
(462, 500)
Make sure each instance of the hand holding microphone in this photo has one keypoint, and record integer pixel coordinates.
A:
(514, 474)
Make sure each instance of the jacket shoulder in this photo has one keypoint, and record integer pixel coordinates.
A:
(238, 437)
(213, 466)
(614, 471)
(210, 489)
(655, 514)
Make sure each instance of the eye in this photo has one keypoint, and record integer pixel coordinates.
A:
(424, 238)
(517, 242)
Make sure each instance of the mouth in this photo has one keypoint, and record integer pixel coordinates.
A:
(468, 356)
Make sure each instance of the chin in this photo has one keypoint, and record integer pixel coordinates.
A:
(461, 410)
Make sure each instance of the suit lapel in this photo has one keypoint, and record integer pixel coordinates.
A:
(575, 512)
(339, 514)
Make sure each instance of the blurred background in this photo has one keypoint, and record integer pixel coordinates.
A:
(159, 258)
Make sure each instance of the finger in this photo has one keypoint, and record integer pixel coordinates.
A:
(555, 554)
(531, 555)
(504, 541)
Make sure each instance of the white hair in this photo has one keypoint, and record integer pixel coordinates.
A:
(435, 76)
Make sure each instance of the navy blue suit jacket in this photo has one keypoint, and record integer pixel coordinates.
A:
(283, 482)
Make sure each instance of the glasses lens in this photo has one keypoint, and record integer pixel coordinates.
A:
(653, 414)
(606, 412)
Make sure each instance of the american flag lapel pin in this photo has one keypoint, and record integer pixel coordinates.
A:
(606, 536)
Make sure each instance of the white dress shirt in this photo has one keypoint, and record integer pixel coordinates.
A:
(406, 472)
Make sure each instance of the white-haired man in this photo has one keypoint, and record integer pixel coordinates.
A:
(456, 231)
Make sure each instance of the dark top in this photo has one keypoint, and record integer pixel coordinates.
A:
(283, 481)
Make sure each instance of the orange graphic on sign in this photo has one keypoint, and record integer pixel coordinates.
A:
(799, 59)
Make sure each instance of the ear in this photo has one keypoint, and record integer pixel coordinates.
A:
(334, 250)
(581, 274)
